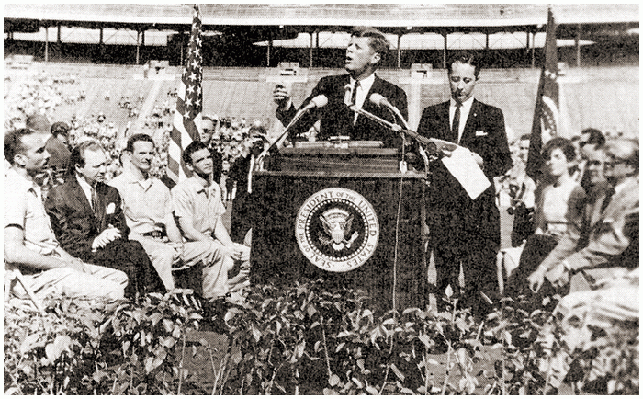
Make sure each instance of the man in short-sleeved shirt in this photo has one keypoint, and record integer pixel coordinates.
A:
(148, 208)
(29, 242)
(198, 207)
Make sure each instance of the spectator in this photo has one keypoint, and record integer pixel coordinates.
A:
(148, 209)
(558, 212)
(29, 242)
(60, 130)
(207, 130)
(590, 140)
(522, 191)
(241, 213)
(198, 208)
(59, 160)
(608, 238)
(88, 221)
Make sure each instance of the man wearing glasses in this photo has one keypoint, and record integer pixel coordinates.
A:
(607, 251)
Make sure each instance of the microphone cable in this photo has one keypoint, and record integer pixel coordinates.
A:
(397, 233)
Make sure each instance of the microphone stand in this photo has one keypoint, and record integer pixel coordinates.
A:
(283, 135)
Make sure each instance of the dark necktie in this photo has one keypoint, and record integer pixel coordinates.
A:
(354, 95)
(456, 121)
(94, 201)
(608, 197)
(353, 98)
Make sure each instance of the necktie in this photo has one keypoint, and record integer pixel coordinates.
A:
(94, 201)
(606, 201)
(456, 122)
(354, 96)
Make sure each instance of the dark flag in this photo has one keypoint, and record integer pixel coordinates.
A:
(546, 122)
(189, 103)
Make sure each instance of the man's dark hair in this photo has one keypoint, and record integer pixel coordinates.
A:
(595, 136)
(191, 149)
(525, 137)
(77, 156)
(135, 138)
(13, 143)
(464, 57)
(377, 39)
(561, 143)
(60, 128)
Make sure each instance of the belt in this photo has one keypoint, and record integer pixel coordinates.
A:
(155, 234)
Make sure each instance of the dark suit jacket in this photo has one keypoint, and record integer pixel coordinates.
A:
(73, 220)
(485, 135)
(337, 119)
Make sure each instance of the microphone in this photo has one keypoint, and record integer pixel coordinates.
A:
(382, 101)
(315, 102)
(393, 126)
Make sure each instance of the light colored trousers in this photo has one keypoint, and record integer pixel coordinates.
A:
(96, 283)
(216, 262)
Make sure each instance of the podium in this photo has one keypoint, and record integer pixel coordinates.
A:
(332, 213)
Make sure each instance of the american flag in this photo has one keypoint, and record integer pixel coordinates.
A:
(189, 103)
(546, 116)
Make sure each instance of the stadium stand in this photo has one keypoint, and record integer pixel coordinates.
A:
(245, 93)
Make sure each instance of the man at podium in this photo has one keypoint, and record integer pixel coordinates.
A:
(338, 93)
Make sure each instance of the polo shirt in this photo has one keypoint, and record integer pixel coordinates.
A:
(24, 208)
(146, 203)
(202, 204)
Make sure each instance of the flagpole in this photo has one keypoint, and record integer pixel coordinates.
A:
(546, 121)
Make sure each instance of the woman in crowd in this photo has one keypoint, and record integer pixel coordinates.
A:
(559, 204)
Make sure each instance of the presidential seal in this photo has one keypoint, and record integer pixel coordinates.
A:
(337, 229)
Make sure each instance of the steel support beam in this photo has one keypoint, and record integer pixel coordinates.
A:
(399, 50)
(533, 49)
(310, 51)
(46, 43)
(578, 33)
(444, 53)
(138, 46)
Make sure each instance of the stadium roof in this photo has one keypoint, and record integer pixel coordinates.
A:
(386, 16)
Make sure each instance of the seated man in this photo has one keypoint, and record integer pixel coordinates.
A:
(148, 209)
(608, 237)
(29, 242)
(87, 219)
(198, 207)
(56, 145)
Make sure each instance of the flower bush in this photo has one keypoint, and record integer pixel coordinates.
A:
(304, 339)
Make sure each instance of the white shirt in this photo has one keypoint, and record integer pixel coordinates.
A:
(464, 114)
(87, 189)
(362, 90)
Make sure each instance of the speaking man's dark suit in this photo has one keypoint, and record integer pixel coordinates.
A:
(463, 229)
(76, 226)
(338, 120)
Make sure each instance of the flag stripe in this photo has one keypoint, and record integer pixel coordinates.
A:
(546, 115)
(189, 103)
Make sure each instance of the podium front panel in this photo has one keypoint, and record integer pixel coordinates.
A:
(277, 259)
